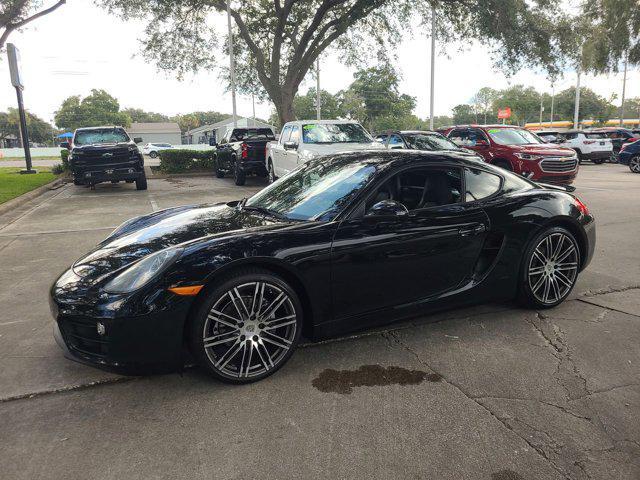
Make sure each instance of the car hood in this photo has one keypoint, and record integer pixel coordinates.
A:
(543, 149)
(145, 235)
(328, 148)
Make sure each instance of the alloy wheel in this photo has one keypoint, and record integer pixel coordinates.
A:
(249, 330)
(634, 164)
(553, 268)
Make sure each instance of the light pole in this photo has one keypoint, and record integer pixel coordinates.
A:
(433, 62)
(318, 107)
(624, 88)
(576, 108)
(541, 108)
(232, 66)
(553, 96)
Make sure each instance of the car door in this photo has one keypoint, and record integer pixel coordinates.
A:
(380, 263)
(291, 159)
(279, 153)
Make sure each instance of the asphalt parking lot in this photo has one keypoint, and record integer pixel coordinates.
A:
(490, 392)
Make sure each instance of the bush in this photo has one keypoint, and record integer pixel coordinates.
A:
(58, 169)
(182, 161)
(64, 156)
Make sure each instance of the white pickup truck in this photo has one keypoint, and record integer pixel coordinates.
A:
(302, 140)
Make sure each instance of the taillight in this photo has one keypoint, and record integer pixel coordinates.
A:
(245, 150)
(588, 142)
(581, 206)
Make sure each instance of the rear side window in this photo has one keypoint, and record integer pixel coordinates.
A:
(480, 184)
(284, 137)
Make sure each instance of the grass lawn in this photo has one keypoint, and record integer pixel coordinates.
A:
(13, 184)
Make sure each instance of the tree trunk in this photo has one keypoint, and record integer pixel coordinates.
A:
(284, 106)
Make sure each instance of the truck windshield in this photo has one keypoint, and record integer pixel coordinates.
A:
(317, 190)
(429, 141)
(513, 136)
(334, 133)
(101, 135)
(240, 134)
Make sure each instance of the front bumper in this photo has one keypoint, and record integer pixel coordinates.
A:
(104, 336)
(88, 177)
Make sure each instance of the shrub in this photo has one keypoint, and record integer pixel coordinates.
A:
(64, 156)
(182, 161)
(58, 169)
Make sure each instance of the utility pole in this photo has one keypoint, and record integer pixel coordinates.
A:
(553, 96)
(433, 63)
(541, 108)
(624, 88)
(318, 107)
(232, 62)
(576, 108)
(13, 55)
(253, 102)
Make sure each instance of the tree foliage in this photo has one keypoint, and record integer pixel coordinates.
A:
(15, 14)
(278, 42)
(39, 130)
(98, 108)
(138, 115)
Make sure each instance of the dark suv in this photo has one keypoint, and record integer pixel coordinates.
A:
(518, 150)
(105, 154)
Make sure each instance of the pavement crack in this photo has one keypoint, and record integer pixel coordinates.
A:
(392, 337)
(583, 300)
(604, 291)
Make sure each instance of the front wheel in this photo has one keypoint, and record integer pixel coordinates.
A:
(239, 176)
(141, 182)
(247, 327)
(550, 269)
(271, 174)
(634, 164)
(153, 154)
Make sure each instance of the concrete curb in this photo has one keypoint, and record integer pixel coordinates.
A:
(33, 194)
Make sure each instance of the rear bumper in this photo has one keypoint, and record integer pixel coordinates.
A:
(602, 155)
(590, 232)
(254, 166)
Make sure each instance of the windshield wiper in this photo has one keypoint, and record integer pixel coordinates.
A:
(264, 210)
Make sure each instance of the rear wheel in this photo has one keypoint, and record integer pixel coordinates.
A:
(271, 173)
(550, 268)
(580, 157)
(141, 182)
(634, 164)
(247, 327)
(239, 176)
(153, 154)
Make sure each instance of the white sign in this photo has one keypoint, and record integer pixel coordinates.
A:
(14, 65)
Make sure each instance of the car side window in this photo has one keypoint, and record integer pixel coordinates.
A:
(480, 184)
(295, 135)
(395, 141)
(419, 188)
(284, 136)
(459, 137)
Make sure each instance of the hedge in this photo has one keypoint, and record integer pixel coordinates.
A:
(181, 161)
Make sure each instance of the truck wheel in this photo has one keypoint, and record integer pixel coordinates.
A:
(239, 176)
(153, 154)
(219, 173)
(271, 173)
(598, 161)
(141, 183)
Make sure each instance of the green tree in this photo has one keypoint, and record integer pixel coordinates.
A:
(39, 130)
(592, 105)
(277, 43)
(16, 14)
(305, 105)
(137, 115)
(463, 114)
(98, 108)
(483, 103)
(523, 101)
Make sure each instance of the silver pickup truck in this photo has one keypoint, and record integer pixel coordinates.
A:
(302, 140)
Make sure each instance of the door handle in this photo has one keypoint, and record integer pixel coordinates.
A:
(470, 231)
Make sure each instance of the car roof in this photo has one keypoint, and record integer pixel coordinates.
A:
(408, 132)
(97, 128)
(323, 122)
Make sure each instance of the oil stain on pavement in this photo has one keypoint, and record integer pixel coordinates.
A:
(343, 381)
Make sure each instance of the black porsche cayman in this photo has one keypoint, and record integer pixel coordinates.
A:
(342, 243)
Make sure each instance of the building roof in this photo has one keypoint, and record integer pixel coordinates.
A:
(159, 127)
(243, 122)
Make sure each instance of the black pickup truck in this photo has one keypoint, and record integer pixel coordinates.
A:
(242, 152)
(105, 154)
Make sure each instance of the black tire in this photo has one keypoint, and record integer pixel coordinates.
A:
(239, 176)
(271, 173)
(598, 161)
(153, 154)
(634, 164)
(141, 182)
(547, 284)
(504, 164)
(227, 357)
(580, 157)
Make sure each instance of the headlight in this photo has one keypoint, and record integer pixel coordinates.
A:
(141, 272)
(528, 156)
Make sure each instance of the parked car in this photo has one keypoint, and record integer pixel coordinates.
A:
(302, 140)
(518, 150)
(417, 140)
(618, 136)
(630, 155)
(105, 154)
(588, 145)
(152, 149)
(242, 152)
(344, 242)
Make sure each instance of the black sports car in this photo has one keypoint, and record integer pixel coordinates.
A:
(342, 243)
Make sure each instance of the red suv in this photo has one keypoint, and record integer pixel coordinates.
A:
(518, 150)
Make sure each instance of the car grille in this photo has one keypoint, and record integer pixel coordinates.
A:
(93, 159)
(81, 334)
(559, 164)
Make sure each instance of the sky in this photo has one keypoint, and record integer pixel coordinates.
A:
(81, 46)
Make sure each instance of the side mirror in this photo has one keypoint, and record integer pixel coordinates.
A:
(481, 143)
(66, 145)
(212, 142)
(137, 140)
(387, 208)
(290, 145)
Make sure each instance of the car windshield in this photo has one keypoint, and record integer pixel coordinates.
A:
(513, 136)
(317, 190)
(429, 141)
(102, 135)
(335, 133)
